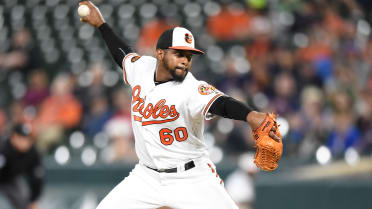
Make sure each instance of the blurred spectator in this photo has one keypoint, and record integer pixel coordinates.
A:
(121, 147)
(239, 140)
(308, 77)
(306, 13)
(231, 23)
(260, 78)
(23, 55)
(259, 48)
(19, 158)
(3, 121)
(237, 21)
(236, 138)
(119, 130)
(17, 114)
(37, 90)
(309, 126)
(94, 87)
(99, 114)
(365, 122)
(285, 100)
(318, 52)
(122, 103)
(60, 112)
(233, 78)
(240, 183)
(150, 33)
(344, 133)
(367, 53)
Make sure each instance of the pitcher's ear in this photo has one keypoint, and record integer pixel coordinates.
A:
(160, 54)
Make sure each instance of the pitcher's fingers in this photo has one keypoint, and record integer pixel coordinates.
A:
(83, 2)
(90, 4)
(273, 136)
(84, 19)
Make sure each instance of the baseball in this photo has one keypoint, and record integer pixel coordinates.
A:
(83, 10)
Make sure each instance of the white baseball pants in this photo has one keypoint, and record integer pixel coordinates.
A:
(197, 188)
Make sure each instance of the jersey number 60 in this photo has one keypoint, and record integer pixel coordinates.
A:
(167, 138)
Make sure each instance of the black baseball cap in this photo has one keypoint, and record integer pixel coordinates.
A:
(178, 38)
(22, 129)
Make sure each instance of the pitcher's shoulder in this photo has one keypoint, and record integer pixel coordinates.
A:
(191, 81)
(140, 59)
(142, 62)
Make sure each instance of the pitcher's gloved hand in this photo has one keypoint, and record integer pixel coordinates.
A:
(269, 144)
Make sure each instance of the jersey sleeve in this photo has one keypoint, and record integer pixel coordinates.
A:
(202, 97)
(128, 66)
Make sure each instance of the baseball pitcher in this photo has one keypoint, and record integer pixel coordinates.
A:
(168, 109)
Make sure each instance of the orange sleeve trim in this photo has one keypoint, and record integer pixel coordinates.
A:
(123, 65)
(210, 103)
(136, 118)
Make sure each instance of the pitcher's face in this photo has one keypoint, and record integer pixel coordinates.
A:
(177, 62)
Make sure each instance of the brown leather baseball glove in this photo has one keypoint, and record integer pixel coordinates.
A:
(269, 150)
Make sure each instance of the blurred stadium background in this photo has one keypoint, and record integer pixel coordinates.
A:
(309, 61)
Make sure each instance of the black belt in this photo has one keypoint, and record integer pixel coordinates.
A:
(188, 166)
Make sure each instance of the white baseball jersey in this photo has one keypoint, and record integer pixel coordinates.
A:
(168, 118)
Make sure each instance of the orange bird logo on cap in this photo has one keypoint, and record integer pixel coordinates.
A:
(188, 38)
